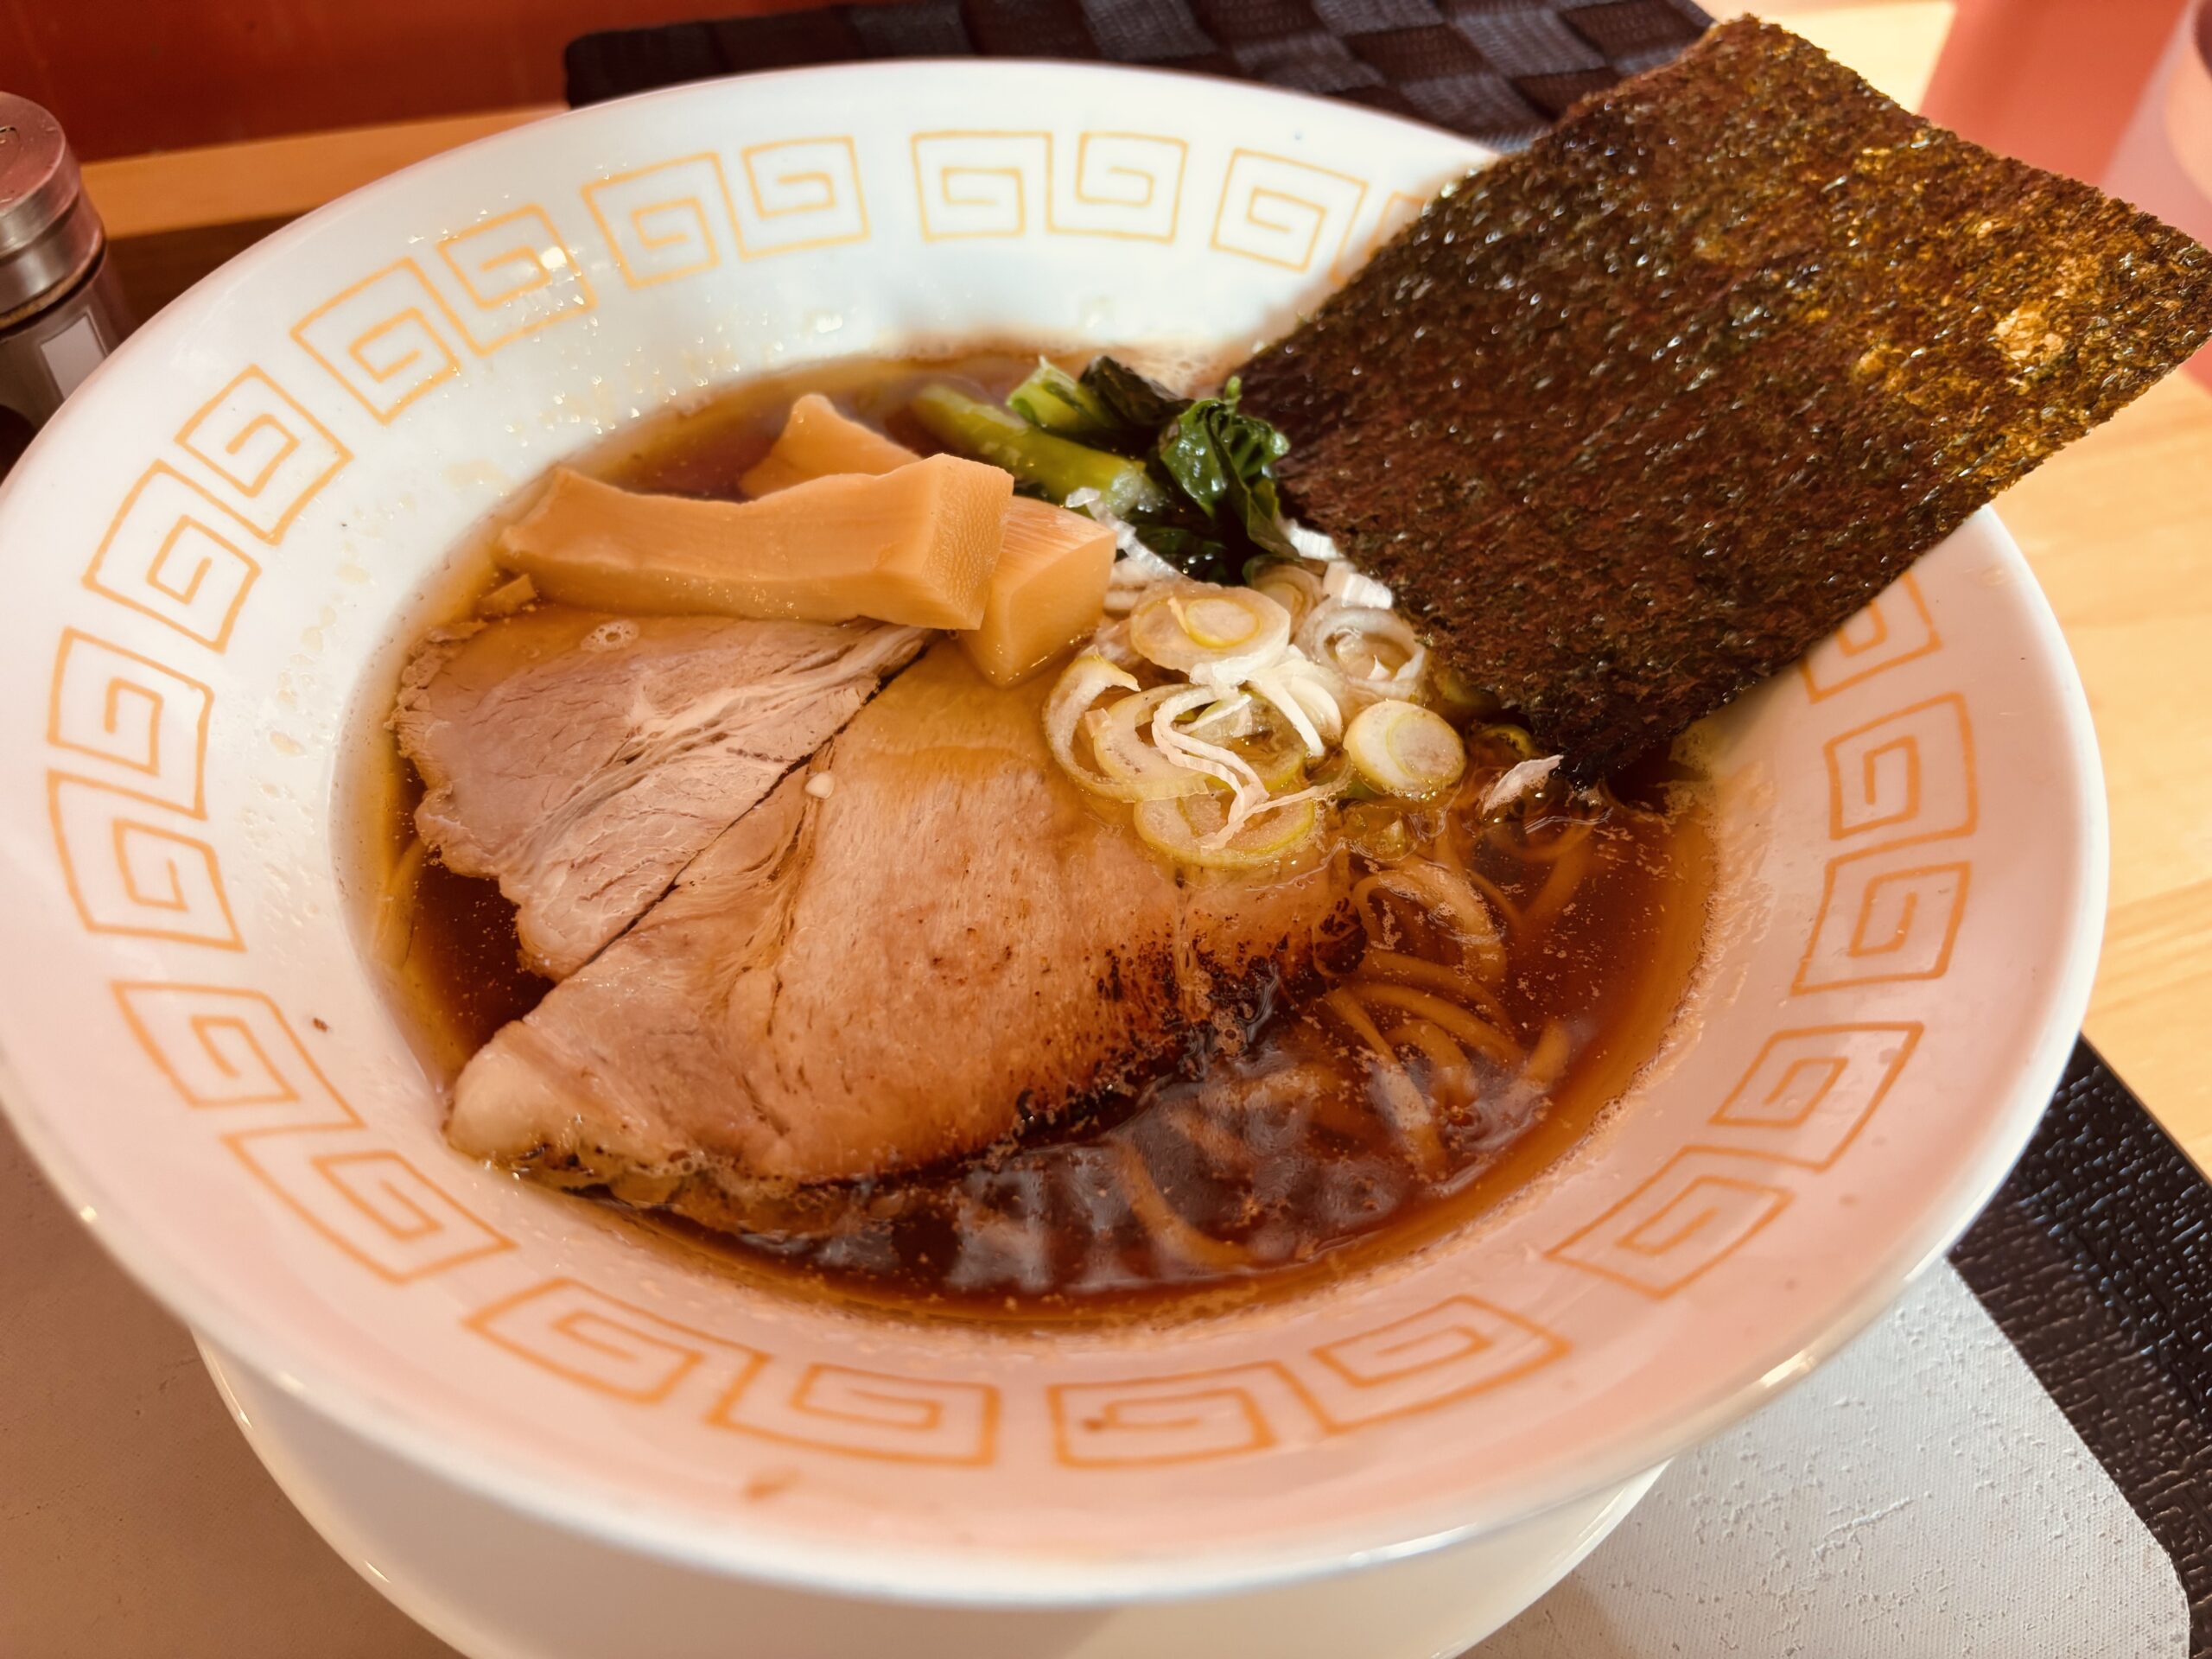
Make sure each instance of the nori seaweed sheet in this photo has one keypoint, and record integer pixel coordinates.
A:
(1632, 418)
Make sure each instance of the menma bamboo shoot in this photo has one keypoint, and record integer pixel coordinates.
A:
(916, 545)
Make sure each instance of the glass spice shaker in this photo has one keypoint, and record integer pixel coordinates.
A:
(59, 309)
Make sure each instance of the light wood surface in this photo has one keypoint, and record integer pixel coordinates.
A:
(272, 178)
(2118, 529)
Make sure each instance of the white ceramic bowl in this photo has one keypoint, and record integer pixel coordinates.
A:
(216, 537)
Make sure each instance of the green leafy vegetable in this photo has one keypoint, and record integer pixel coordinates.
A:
(1194, 477)
(1054, 401)
(1056, 465)
(1216, 465)
(1223, 463)
(1141, 406)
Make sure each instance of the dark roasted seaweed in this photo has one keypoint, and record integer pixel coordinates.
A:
(1630, 419)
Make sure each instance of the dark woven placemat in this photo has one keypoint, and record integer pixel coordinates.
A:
(2096, 1260)
(1497, 70)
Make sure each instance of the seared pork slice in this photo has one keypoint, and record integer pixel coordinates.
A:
(946, 944)
(583, 759)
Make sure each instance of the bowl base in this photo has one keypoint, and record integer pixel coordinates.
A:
(474, 1573)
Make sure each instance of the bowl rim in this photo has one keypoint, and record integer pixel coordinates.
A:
(982, 1576)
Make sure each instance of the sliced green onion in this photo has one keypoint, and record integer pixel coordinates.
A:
(1212, 760)
(1522, 777)
(1515, 738)
(1404, 749)
(1197, 625)
(1225, 718)
(1277, 754)
(1377, 828)
(1182, 829)
(1084, 681)
(1117, 740)
(1292, 586)
(1303, 693)
(1370, 647)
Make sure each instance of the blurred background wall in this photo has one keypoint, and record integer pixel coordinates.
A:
(2055, 82)
(128, 76)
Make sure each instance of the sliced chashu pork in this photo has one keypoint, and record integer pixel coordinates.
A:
(947, 944)
(584, 760)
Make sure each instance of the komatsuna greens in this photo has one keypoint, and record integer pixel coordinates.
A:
(1193, 477)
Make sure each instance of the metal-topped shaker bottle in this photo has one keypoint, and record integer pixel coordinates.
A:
(59, 309)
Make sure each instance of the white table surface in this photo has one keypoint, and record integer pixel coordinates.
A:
(1920, 1497)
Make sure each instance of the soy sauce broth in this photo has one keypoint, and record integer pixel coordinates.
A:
(1256, 1169)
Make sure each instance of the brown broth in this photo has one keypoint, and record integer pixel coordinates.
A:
(1256, 1172)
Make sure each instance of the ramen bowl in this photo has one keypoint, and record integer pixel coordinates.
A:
(215, 544)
